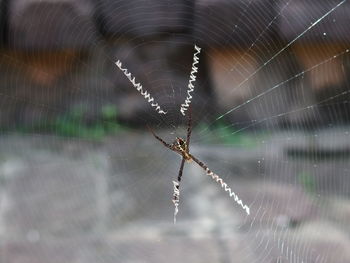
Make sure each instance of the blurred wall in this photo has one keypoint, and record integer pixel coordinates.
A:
(59, 54)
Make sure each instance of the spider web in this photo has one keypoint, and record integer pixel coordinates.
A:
(281, 148)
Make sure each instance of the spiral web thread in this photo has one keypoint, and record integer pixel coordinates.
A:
(138, 86)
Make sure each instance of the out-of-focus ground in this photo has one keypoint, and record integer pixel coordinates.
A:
(73, 200)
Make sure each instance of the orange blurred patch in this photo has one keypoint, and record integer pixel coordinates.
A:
(329, 74)
(43, 68)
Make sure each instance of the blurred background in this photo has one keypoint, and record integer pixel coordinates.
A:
(82, 180)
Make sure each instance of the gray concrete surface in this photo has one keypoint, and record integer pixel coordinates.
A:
(79, 201)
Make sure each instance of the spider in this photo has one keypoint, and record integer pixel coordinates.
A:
(182, 147)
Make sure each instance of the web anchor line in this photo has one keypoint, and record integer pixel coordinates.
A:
(193, 77)
(277, 54)
(140, 89)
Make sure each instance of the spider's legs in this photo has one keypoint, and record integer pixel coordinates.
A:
(160, 139)
(189, 129)
(177, 184)
(201, 164)
(181, 169)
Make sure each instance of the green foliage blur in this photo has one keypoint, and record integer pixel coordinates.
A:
(308, 182)
(227, 135)
(73, 124)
